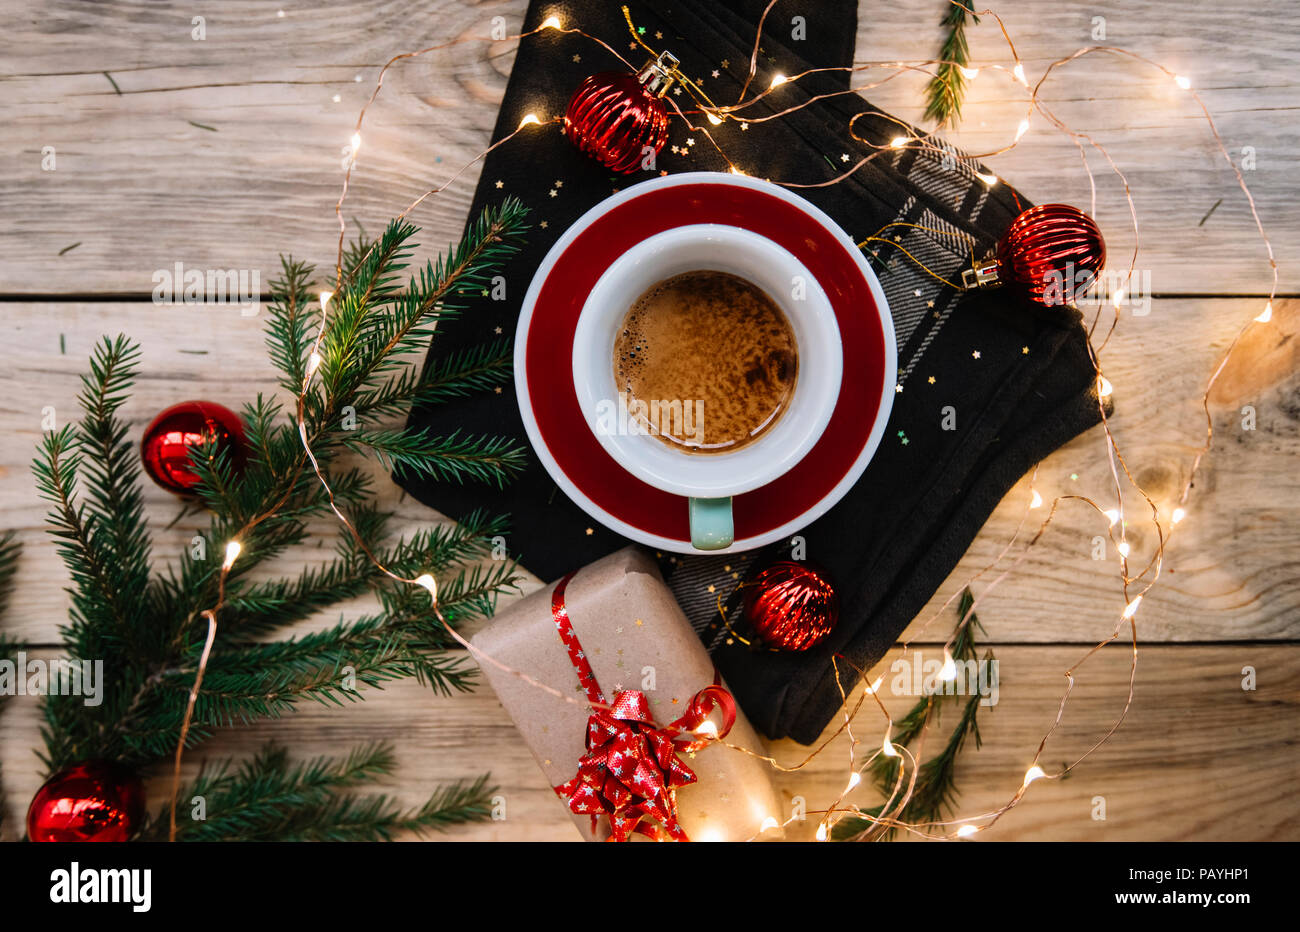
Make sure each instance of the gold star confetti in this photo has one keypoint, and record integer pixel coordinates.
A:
(658, 34)
(590, 532)
(712, 588)
(726, 569)
(715, 72)
(975, 355)
(553, 192)
(844, 157)
(559, 184)
(725, 63)
(898, 389)
(577, 58)
(677, 91)
(1024, 350)
(501, 184)
(691, 141)
(917, 292)
(931, 380)
(640, 623)
(744, 126)
(930, 303)
(632, 46)
(497, 329)
(483, 293)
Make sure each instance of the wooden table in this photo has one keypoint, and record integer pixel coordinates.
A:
(225, 151)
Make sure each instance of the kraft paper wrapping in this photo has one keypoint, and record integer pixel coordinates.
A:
(635, 637)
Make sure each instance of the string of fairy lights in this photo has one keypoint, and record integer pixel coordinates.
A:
(1133, 587)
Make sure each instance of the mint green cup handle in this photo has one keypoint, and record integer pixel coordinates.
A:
(711, 527)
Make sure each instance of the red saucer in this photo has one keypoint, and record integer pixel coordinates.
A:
(543, 351)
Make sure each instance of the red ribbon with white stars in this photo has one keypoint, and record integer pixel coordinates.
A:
(632, 770)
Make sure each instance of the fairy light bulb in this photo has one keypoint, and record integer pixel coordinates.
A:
(1117, 299)
(1178, 515)
(428, 582)
(970, 74)
(1123, 548)
(949, 671)
(1104, 388)
(1184, 82)
(713, 118)
(1131, 609)
(313, 363)
(778, 79)
(872, 687)
(1265, 315)
(1112, 515)
(1019, 73)
(1033, 773)
(552, 22)
(737, 171)
(987, 177)
(899, 141)
(821, 832)
(356, 143)
(1036, 500)
(707, 729)
(530, 119)
(1022, 129)
(768, 824)
(325, 299)
(887, 747)
(854, 779)
(232, 553)
(966, 831)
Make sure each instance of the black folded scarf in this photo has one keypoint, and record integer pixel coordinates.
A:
(986, 386)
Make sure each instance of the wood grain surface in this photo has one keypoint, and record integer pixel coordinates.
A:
(225, 152)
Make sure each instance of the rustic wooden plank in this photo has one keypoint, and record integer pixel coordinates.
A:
(1230, 574)
(1222, 757)
(223, 152)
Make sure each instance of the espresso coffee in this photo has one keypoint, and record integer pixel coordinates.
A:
(707, 362)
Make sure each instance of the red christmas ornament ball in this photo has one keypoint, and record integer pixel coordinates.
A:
(616, 117)
(168, 440)
(1050, 246)
(792, 606)
(93, 801)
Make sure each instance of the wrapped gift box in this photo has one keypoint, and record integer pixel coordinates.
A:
(634, 636)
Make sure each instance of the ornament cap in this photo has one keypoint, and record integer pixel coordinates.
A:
(984, 274)
(658, 76)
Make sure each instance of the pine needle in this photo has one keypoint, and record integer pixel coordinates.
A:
(948, 86)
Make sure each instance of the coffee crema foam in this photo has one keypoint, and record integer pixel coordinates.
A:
(706, 337)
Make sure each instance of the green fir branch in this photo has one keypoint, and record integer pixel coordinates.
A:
(10, 550)
(149, 629)
(476, 369)
(268, 798)
(947, 88)
(935, 792)
(454, 458)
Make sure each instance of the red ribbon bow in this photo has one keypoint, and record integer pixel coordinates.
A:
(632, 770)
